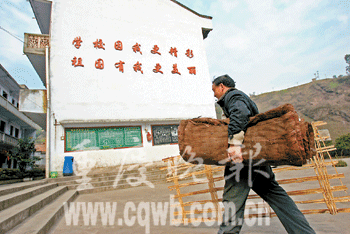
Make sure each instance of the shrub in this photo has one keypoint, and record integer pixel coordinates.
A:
(333, 85)
(341, 163)
(23, 154)
(9, 173)
(342, 144)
(37, 172)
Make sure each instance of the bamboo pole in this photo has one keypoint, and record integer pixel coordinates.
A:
(317, 163)
(178, 192)
(309, 178)
(304, 167)
(318, 145)
(198, 192)
(212, 189)
(220, 209)
(306, 191)
(194, 220)
(336, 199)
(196, 183)
(321, 171)
(190, 203)
(189, 174)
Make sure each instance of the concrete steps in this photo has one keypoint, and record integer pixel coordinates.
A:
(9, 200)
(11, 188)
(37, 204)
(110, 179)
(41, 222)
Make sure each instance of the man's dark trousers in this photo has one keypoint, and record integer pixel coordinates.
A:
(264, 184)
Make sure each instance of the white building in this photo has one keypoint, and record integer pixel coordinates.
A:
(14, 125)
(120, 75)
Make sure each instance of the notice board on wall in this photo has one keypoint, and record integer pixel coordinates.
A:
(164, 134)
(102, 138)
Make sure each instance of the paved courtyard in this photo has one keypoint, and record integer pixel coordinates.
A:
(142, 198)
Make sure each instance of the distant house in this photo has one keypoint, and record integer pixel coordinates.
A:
(13, 123)
(41, 153)
(120, 76)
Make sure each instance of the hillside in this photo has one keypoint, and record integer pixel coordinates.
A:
(327, 100)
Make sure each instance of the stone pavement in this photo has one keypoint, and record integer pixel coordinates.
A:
(322, 223)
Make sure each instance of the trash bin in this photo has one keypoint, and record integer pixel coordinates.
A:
(53, 174)
(68, 166)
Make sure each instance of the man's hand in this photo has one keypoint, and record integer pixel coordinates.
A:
(235, 153)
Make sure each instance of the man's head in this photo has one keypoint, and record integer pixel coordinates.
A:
(221, 84)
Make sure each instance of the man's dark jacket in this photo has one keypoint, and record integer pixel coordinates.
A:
(238, 107)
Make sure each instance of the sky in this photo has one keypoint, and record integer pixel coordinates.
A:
(264, 45)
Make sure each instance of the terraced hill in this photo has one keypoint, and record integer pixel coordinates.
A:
(327, 100)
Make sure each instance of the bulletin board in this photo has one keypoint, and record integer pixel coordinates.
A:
(77, 139)
(164, 134)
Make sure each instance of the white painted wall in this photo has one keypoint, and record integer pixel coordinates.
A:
(33, 100)
(86, 94)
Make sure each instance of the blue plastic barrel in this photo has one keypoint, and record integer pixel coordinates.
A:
(68, 166)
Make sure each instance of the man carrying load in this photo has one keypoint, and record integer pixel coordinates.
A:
(238, 107)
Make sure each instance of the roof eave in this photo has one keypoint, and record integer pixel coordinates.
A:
(42, 12)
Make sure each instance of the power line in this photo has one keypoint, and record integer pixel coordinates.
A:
(11, 34)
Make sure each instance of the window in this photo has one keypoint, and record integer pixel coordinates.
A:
(13, 101)
(2, 126)
(11, 130)
(16, 132)
(4, 94)
(164, 134)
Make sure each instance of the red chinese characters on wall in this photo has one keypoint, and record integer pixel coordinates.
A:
(173, 51)
(120, 65)
(118, 45)
(175, 70)
(189, 53)
(137, 67)
(155, 50)
(137, 48)
(77, 62)
(99, 64)
(157, 69)
(98, 44)
(77, 42)
(192, 70)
